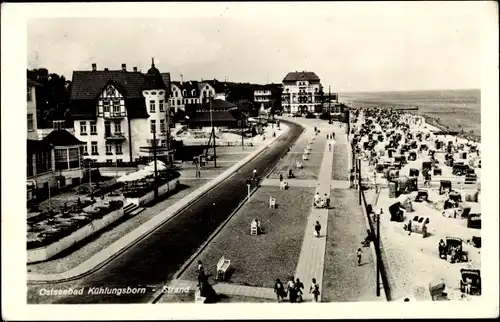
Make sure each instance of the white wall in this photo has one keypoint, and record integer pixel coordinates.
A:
(31, 109)
(294, 89)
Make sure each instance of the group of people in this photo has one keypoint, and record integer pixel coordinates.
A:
(320, 202)
(294, 289)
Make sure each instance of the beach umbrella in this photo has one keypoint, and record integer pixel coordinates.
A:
(134, 176)
(160, 166)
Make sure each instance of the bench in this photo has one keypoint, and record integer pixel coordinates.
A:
(298, 164)
(222, 267)
(305, 157)
(283, 185)
(253, 230)
(272, 202)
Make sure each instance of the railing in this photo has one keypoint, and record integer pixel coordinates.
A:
(112, 115)
(378, 246)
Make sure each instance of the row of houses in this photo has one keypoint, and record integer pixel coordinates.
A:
(119, 116)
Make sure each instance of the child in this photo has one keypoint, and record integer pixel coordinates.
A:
(358, 254)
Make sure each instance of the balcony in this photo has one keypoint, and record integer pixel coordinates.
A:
(113, 115)
(115, 137)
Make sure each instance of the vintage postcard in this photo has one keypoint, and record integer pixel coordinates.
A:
(250, 156)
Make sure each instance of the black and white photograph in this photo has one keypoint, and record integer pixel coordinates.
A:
(240, 154)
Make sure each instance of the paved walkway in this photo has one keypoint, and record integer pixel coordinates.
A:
(223, 288)
(312, 254)
(334, 184)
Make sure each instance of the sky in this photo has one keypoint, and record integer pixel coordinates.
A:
(350, 46)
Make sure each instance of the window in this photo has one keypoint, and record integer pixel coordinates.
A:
(58, 125)
(109, 149)
(116, 106)
(93, 128)
(106, 106)
(162, 125)
(83, 128)
(175, 94)
(193, 93)
(184, 93)
(109, 161)
(163, 143)
(29, 94)
(118, 127)
(161, 105)
(94, 148)
(86, 149)
(153, 126)
(178, 102)
(110, 92)
(118, 149)
(31, 125)
(152, 107)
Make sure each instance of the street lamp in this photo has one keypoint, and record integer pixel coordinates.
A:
(377, 247)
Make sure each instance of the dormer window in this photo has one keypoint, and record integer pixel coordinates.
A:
(153, 93)
(184, 93)
(175, 94)
(193, 93)
(147, 93)
(160, 93)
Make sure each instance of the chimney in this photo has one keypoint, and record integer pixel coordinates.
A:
(124, 67)
(105, 69)
(94, 67)
(135, 68)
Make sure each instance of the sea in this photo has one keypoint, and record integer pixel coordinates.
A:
(454, 110)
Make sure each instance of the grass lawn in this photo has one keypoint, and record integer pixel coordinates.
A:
(259, 260)
(340, 165)
(343, 279)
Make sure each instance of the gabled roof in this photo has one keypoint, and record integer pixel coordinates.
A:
(295, 76)
(61, 138)
(219, 87)
(89, 84)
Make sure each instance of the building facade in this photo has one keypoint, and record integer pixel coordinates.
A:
(117, 113)
(302, 92)
(31, 109)
(194, 92)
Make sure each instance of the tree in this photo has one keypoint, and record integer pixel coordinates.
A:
(52, 97)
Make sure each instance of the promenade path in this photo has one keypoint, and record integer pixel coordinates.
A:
(343, 227)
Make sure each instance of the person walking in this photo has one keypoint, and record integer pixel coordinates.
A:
(299, 287)
(317, 228)
(330, 147)
(292, 291)
(254, 175)
(314, 289)
(351, 179)
(279, 289)
(201, 273)
(358, 254)
(281, 177)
